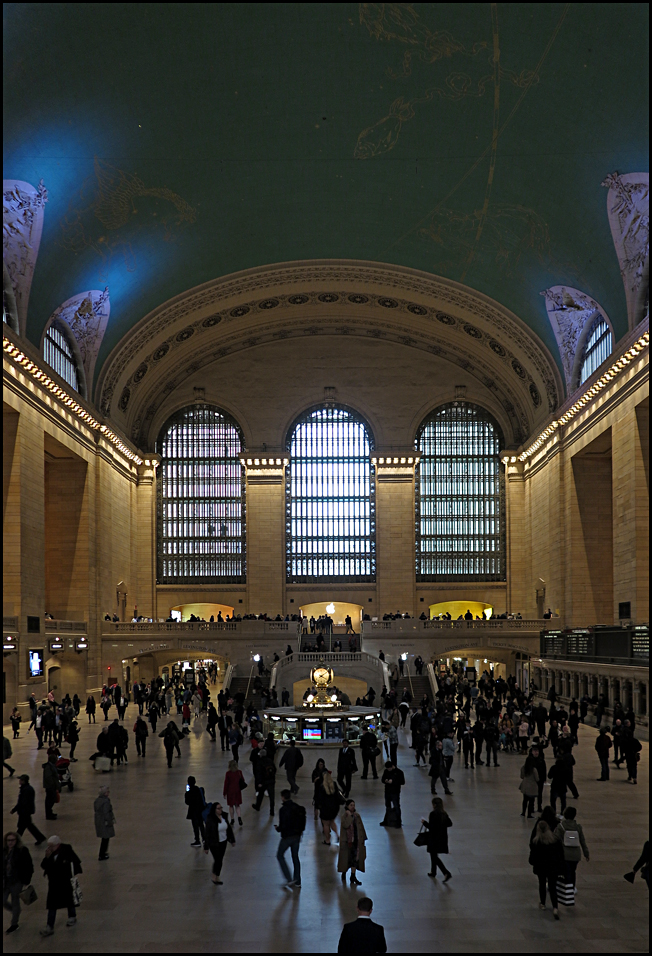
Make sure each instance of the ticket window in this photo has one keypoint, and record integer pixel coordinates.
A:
(334, 729)
(289, 728)
(353, 729)
(312, 730)
(276, 727)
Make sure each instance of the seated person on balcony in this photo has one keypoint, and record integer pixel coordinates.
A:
(48, 616)
(337, 646)
(366, 617)
(547, 614)
(423, 616)
(278, 618)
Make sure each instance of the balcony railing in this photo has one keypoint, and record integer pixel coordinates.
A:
(9, 623)
(65, 627)
(416, 627)
(234, 628)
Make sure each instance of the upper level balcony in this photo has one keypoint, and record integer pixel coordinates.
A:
(245, 630)
(414, 627)
(63, 628)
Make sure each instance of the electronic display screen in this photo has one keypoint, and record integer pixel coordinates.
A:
(35, 663)
(312, 733)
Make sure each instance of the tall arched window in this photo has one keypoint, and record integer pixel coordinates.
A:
(58, 353)
(330, 499)
(201, 503)
(460, 528)
(597, 349)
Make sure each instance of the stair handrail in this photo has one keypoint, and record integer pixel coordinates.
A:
(228, 676)
(434, 686)
(249, 682)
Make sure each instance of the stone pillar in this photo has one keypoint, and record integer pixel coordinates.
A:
(146, 540)
(265, 539)
(395, 544)
(631, 514)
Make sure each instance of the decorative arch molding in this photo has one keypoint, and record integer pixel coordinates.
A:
(628, 208)
(23, 212)
(86, 316)
(571, 314)
(331, 297)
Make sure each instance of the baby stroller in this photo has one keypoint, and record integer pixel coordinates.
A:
(65, 776)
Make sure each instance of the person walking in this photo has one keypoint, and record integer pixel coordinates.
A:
(437, 826)
(141, 733)
(529, 785)
(346, 767)
(25, 807)
(17, 870)
(603, 745)
(104, 820)
(235, 740)
(317, 774)
(362, 935)
(292, 760)
(196, 804)
(51, 785)
(571, 836)
(59, 865)
(631, 747)
(467, 746)
(212, 720)
(169, 742)
(392, 740)
(393, 779)
(437, 767)
(91, 707)
(547, 861)
(558, 775)
(73, 739)
(291, 824)
(353, 853)
(542, 770)
(232, 790)
(15, 721)
(329, 806)
(218, 832)
(266, 781)
(6, 754)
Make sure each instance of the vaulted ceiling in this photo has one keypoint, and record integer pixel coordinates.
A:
(181, 143)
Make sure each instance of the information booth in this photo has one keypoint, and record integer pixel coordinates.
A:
(321, 726)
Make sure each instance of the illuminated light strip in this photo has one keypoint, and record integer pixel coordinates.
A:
(15, 353)
(639, 346)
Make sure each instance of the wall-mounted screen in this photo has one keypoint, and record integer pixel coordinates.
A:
(35, 663)
(312, 733)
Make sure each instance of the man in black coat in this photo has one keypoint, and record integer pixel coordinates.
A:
(394, 779)
(25, 807)
(292, 759)
(59, 864)
(346, 767)
(195, 803)
(368, 748)
(363, 935)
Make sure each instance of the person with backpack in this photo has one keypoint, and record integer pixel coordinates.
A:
(571, 836)
(266, 781)
(218, 833)
(292, 759)
(141, 733)
(291, 824)
(352, 853)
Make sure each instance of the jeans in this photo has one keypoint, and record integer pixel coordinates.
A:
(141, 745)
(218, 850)
(604, 766)
(269, 788)
(441, 773)
(552, 889)
(393, 802)
(528, 805)
(292, 844)
(52, 915)
(292, 781)
(198, 827)
(554, 794)
(435, 861)
(366, 760)
(570, 867)
(13, 890)
(25, 823)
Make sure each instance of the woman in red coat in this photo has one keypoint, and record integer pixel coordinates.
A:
(233, 790)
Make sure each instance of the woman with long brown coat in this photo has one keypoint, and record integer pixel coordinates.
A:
(353, 836)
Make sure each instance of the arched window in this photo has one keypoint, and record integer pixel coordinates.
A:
(330, 499)
(597, 349)
(201, 513)
(460, 528)
(58, 353)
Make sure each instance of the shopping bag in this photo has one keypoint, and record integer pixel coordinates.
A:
(28, 895)
(565, 892)
(103, 763)
(77, 895)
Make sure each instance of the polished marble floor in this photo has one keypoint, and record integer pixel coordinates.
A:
(155, 895)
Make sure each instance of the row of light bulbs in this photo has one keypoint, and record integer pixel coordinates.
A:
(264, 461)
(66, 399)
(395, 461)
(639, 346)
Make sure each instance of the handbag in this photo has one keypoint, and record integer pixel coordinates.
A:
(375, 752)
(421, 838)
(28, 895)
(242, 783)
(57, 796)
(630, 877)
(77, 895)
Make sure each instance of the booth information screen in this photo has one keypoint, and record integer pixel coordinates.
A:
(312, 733)
(35, 663)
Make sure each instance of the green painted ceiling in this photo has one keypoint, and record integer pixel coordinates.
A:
(180, 142)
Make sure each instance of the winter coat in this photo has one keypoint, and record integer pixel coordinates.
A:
(58, 870)
(437, 826)
(346, 762)
(21, 864)
(529, 785)
(346, 858)
(547, 859)
(104, 818)
(558, 777)
(195, 802)
(292, 759)
(212, 839)
(572, 854)
(50, 777)
(329, 804)
(6, 748)
(25, 805)
(232, 791)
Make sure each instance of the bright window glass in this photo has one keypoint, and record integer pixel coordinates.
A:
(597, 349)
(330, 501)
(58, 354)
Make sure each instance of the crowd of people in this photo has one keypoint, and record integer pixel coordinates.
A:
(479, 722)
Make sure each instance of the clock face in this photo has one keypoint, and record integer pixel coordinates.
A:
(321, 675)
